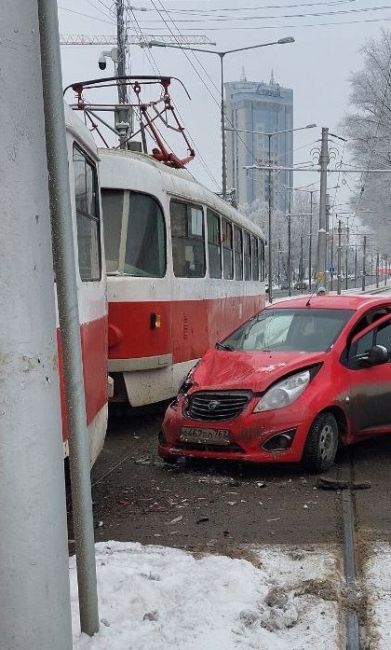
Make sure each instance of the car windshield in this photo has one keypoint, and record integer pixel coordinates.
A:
(295, 330)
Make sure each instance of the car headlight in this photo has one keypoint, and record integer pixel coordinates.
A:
(284, 392)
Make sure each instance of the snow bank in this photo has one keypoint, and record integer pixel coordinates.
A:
(157, 598)
(378, 584)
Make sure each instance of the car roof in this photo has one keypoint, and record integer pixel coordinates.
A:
(332, 301)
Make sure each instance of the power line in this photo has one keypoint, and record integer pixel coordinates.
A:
(79, 13)
(295, 26)
(202, 11)
(318, 14)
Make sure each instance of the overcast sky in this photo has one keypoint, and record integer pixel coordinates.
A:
(317, 66)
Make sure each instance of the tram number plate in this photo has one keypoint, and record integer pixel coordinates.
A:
(205, 436)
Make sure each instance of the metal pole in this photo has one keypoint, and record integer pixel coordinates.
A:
(279, 262)
(322, 235)
(364, 269)
(339, 254)
(289, 249)
(270, 223)
(301, 266)
(332, 259)
(65, 268)
(34, 575)
(355, 267)
(347, 259)
(123, 115)
(385, 270)
(310, 244)
(377, 269)
(223, 151)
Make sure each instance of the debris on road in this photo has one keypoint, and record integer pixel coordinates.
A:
(326, 483)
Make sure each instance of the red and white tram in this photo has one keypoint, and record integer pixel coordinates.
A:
(91, 278)
(184, 269)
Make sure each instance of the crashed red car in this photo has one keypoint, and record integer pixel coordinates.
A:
(291, 384)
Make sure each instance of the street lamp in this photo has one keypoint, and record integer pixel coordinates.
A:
(281, 41)
(269, 136)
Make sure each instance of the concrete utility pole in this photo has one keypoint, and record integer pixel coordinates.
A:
(123, 114)
(347, 256)
(289, 264)
(65, 267)
(324, 160)
(34, 576)
(310, 241)
(355, 267)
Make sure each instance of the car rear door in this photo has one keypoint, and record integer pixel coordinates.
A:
(370, 385)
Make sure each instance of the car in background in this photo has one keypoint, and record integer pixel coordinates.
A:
(301, 285)
(294, 382)
(284, 285)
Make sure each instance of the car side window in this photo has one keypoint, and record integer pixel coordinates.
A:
(383, 337)
(364, 343)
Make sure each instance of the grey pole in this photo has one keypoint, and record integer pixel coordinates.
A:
(34, 575)
(385, 269)
(301, 266)
(377, 268)
(347, 259)
(289, 247)
(65, 267)
(123, 114)
(355, 267)
(270, 221)
(364, 260)
(322, 235)
(339, 255)
(222, 111)
(310, 244)
(332, 259)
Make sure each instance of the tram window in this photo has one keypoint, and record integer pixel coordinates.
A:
(228, 259)
(247, 257)
(145, 254)
(261, 249)
(112, 208)
(214, 244)
(87, 217)
(188, 240)
(238, 253)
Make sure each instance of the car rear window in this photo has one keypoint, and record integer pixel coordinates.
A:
(295, 330)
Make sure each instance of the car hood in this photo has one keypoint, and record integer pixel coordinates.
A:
(256, 371)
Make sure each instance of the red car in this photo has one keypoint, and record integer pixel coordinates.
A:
(291, 384)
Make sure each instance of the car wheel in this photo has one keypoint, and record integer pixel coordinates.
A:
(170, 460)
(321, 444)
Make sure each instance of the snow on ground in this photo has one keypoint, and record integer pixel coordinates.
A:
(378, 582)
(158, 598)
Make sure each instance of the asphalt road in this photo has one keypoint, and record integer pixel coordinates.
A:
(220, 506)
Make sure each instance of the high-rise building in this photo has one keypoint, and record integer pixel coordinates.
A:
(259, 106)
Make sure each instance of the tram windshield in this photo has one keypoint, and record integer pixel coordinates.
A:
(134, 233)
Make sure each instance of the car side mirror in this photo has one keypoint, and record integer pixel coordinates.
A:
(377, 355)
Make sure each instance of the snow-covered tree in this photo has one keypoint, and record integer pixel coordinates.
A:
(368, 127)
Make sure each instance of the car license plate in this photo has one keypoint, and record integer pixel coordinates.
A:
(205, 436)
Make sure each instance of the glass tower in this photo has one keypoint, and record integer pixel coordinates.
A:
(259, 106)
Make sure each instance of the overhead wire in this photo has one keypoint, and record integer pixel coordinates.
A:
(317, 14)
(294, 26)
(206, 10)
(79, 13)
(155, 67)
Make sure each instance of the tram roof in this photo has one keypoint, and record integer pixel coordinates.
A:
(176, 182)
(80, 131)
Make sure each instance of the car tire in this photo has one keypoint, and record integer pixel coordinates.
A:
(170, 460)
(321, 444)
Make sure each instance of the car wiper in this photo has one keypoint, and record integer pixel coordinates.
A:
(221, 346)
